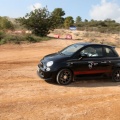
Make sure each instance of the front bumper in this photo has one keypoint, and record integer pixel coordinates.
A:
(47, 75)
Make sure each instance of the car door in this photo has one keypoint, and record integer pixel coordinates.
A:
(94, 61)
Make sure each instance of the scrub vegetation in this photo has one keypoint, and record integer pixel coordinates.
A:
(41, 22)
(20, 38)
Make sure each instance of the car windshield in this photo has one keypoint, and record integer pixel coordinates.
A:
(70, 50)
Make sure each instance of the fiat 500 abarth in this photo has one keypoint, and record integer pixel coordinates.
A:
(78, 60)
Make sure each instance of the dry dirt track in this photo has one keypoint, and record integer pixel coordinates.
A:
(24, 96)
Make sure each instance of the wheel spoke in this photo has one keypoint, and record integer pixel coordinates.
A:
(65, 77)
(116, 75)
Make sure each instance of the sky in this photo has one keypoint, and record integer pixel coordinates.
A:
(86, 9)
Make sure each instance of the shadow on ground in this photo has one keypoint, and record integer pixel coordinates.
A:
(99, 82)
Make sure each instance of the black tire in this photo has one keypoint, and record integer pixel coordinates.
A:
(116, 75)
(64, 77)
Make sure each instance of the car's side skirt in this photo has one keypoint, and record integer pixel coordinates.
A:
(91, 72)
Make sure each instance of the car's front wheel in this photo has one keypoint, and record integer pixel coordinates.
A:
(116, 75)
(64, 77)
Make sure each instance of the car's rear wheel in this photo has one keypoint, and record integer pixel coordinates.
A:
(116, 75)
(64, 77)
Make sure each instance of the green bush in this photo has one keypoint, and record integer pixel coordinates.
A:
(2, 35)
(31, 39)
(34, 38)
(3, 41)
(18, 39)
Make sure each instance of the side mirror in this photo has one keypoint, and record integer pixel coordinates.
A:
(83, 56)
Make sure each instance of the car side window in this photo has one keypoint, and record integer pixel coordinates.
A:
(92, 51)
(109, 52)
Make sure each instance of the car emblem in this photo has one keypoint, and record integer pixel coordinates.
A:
(91, 64)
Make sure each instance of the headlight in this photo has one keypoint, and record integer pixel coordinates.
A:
(50, 63)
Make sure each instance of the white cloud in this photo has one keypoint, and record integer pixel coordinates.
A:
(105, 10)
(35, 6)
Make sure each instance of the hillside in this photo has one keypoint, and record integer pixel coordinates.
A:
(86, 36)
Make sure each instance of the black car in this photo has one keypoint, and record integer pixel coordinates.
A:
(78, 60)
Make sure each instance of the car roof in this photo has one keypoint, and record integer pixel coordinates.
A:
(87, 44)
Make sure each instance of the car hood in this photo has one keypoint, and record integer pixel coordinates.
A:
(55, 57)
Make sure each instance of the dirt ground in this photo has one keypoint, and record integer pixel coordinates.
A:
(25, 96)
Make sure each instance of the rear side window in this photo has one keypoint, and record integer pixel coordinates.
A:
(109, 52)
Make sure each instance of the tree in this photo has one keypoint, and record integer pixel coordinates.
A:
(78, 22)
(68, 21)
(58, 14)
(86, 20)
(39, 21)
(5, 24)
(78, 19)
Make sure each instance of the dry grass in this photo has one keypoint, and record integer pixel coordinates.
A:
(86, 36)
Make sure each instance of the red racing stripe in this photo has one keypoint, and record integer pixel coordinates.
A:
(91, 72)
